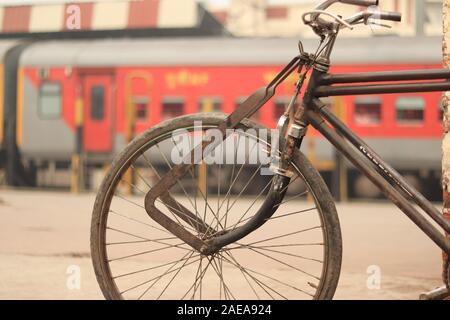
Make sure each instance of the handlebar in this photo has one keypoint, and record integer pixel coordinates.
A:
(390, 16)
(362, 3)
(327, 29)
(321, 26)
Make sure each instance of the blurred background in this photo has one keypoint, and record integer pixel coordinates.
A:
(79, 79)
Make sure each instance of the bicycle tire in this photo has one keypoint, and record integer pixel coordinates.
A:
(312, 179)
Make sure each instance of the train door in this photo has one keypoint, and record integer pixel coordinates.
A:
(98, 113)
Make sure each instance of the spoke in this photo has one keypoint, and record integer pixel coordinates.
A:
(285, 264)
(292, 213)
(279, 245)
(138, 221)
(129, 201)
(199, 268)
(259, 195)
(215, 267)
(276, 280)
(147, 281)
(178, 181)
(148, 251)
(294, 197)
(261, 284)
(142, 207)
(152, 268)
(252, 204)
(149, 163)
(173, 278)
(206, 201)
(167, 206)
(281, 252)
(181, 185)
(140, 237)
(201, 276)
(243, 189)
(159, 176)
(283, 215)
(237, 176)
(193, 177)
(140, 176)
(245, 277)
(285, 235)
(221, 271)
(231, 180)
(138, 241)
(290, 182)
(218, 192)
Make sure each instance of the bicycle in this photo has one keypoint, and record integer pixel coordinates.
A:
(214, 241)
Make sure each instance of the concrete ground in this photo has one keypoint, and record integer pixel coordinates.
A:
(44, 237)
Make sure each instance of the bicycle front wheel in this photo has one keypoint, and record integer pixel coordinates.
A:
(296, 254)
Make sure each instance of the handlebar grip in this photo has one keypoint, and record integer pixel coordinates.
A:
(391, 16)
(364, 3)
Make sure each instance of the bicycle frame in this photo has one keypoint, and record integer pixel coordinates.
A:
(313, 112)
(389, 181)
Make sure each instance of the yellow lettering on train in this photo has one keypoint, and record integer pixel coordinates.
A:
(186, 78)
(288, 83)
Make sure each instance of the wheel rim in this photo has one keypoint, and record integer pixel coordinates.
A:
(254, 282)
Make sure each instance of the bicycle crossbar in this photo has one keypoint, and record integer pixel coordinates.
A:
(330, 85)
(410, 75)
(334, 91)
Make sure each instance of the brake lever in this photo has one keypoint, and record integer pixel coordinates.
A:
(369, 23)
(379, 25)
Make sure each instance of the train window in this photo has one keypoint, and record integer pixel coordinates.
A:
(172, 108)
(367, 111)
(209, 104)
(50, 100)
(240, 101)
(410, 109)
(141, 105)
(97, 103)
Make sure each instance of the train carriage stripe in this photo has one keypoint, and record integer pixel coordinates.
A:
(2, 15)
(143, 14)
(16, 19)
(54, 20)
(110, 15)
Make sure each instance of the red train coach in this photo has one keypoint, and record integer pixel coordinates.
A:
(163, 78)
